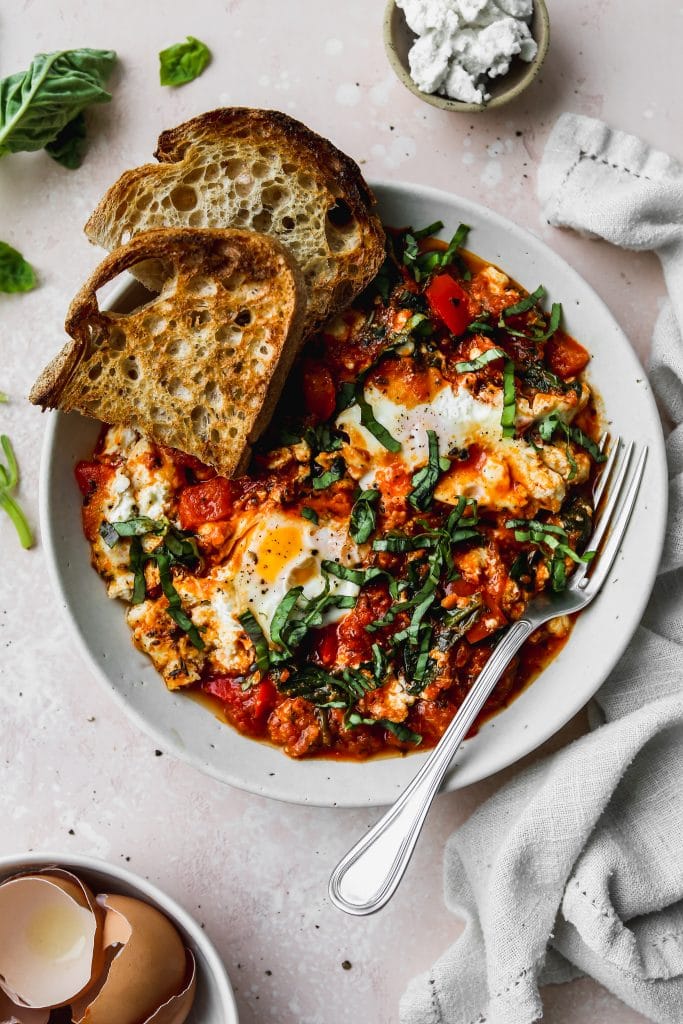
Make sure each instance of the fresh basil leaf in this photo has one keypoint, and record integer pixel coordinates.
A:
(456, 242)
(584, 441)
(486, 357)
(175, 610)
(425, 480)
(363, 516)
(346, 395)
(329, 476)
(480, 327)
(68, 148)
(401, 732)
(137, 527)
(367, 418)
(361, 577)
(379, 663)
(183, 62)
(255, 634)
(16, 275)
(509, 414)
(549, 424)
(411, 250)
(35, 105)
(283, 613)
(310, 514)
(322, 439)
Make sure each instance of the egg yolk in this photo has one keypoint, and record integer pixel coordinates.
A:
(276, 550)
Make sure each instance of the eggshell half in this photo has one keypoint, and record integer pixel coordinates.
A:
(148, 970)
(50, 932)
(177, 1009)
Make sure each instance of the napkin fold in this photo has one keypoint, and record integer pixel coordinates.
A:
(576, 866)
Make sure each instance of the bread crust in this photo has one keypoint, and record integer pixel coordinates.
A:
(355, 249)
(200, 366)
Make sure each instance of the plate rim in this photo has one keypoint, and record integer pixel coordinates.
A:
(457, 777)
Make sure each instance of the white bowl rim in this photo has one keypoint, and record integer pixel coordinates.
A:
(75, 862)
(459, 775)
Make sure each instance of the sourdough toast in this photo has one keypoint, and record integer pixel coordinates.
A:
(199, 366)
(262, 170)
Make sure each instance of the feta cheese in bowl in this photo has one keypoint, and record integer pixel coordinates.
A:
(466, 55)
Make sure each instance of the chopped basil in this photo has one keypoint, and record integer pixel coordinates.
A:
(360, 577)
(346, 395)
(459, 620)
(535, 333)
(523, 306)
(401, 732)
(363, 516)
(183, 62)
(425, 480)
(431, 229)
(549, 424)
(367, 418)
(255, 634)
(422, 264)
(480, 327)
(323, 689)
(329, 476)
(176, 547)
(310, 514)
(379, 663)
(456, 242)
(555, 539)
(507, 420)
(9, 478)
(322, 439)
(486, 357)
(282, 616)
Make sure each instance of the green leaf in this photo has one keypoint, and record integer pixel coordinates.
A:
(310, 514)
(486, 357)
(508, 417)
(431, 229)
(401, 732)
(68, 148)
(363, 516)
(183, 62)
(35, 105)
(425, 480)
(456, 242)
(367, 418)
(523, 306)
(329, 476)
(16, 275)
(255, 634)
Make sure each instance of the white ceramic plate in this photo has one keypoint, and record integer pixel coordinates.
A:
(214, 1002)
(183, 727)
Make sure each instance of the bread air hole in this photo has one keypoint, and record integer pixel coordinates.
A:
(262, 220)
(243, 318)
(200, 421)
(183, 197)
(153, 324)
(95, 371)
(177, 389)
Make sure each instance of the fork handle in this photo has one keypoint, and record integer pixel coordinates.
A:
(367, 877)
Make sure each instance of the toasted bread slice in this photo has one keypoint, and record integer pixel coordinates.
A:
(258, 169)
(201, 365)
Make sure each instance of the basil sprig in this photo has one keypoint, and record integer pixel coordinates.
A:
(177, 547)
(425, 480)
(363, 516)
(255, 633)
(183, 62)
(38, 104)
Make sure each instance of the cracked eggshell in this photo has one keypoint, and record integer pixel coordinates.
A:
(147, 971)
(50, 938)
(177, 1009)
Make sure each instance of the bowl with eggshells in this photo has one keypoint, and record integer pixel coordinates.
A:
(87, 942)
(466, 56)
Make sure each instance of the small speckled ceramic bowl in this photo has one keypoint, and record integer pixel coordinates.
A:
(398, 39)
(214, 1002)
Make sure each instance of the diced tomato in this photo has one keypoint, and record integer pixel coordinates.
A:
(207, 502)
(566, 357)
(449, 301)
(461, 588)
(247, 709)
(90, 476)
(320, 395)
(327, 645)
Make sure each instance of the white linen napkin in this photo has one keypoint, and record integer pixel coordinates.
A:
(576, 866)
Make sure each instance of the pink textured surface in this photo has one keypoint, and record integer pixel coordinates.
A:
(75, 773)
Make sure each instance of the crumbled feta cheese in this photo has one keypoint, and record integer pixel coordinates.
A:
(461, 43)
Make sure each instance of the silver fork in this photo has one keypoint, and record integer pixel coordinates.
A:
(368, 876)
